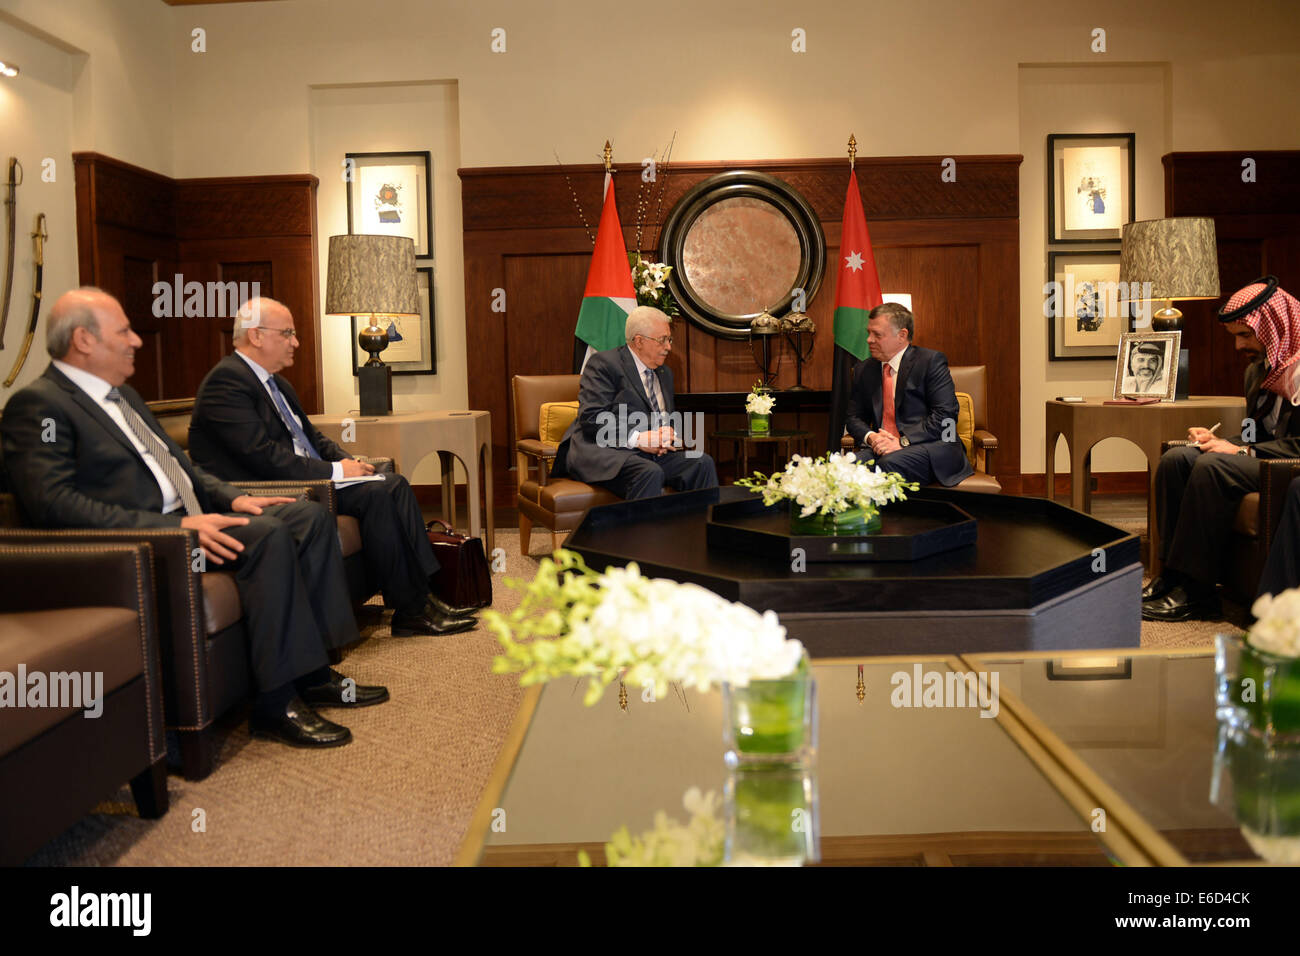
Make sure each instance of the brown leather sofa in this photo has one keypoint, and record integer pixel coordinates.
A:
(74, 609)
(973, 380)
(557, 504)
(203, 643)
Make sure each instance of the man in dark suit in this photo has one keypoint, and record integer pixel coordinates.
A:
(1282, 571)
(620, 438)
(1199, 487)
(903, 407)
(82, 450)
(248, 425)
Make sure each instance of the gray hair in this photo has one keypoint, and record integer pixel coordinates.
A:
(71, 312)
(899, 316)
(249, 316)
(642, 320)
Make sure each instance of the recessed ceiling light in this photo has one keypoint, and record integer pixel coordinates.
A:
(8, 69)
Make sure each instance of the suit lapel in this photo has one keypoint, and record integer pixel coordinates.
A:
(92, 408)
(877, 392)
(900, 381)
(270, 414)
(630, 370)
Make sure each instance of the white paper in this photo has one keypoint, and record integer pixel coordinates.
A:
(345, 482)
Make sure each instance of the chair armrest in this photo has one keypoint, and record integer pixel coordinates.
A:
(536, 448)
(320, 490)
(181, 622)
(1173, 443)
(1275, 476)
(985, 443)
(534, 451)
(847, 443)
(383, 466)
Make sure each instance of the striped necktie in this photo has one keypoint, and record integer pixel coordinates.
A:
(158, 451)
(650, 393)
(290, 422)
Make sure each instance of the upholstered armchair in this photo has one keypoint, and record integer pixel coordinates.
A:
(77, 609)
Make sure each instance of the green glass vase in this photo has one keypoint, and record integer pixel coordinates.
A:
(770, 721)
(760, 424)
(855, 521)
(1257, 692)
(772, 816)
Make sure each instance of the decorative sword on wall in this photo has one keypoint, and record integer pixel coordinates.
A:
(11, 208)
(38, 240)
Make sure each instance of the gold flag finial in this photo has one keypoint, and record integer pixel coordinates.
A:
(853, 149)
(861, 689)
(609, 153)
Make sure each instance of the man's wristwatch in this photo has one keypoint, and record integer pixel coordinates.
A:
(902, 441)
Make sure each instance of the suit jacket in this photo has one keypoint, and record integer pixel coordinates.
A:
(924, 398)
(1284, 440)
(236, 432)
(610, 384)
(89, 475)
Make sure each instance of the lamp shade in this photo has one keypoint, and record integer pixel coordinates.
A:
(372, 275)
(1176, 256)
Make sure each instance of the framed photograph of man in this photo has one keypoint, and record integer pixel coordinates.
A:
(1147, 365)
(1090, 191)
(389, 195)
(1085, 317)
(412, 342)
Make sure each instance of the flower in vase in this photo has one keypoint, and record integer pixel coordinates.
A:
(831, 485)
(1277, 625)
(759, 403)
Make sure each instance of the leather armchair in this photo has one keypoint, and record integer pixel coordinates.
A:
(556, 504)
(1253, 528)
(78, 608)
(973, 380)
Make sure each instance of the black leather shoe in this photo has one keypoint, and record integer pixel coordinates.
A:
(429, 620)
(442, 607)
(334, 693)
(1158, 588)
(300, 726)
(1178, 605)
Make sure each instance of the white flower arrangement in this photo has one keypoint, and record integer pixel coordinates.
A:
(650, 281)
(700, 842)
(759, 402)
(622, 626)
(831, 484)
(1277, 625)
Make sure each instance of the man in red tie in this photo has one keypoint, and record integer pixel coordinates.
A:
(903, 408)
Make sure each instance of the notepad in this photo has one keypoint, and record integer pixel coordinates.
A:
(345, 482)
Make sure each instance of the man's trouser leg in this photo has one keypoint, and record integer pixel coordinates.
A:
(1171, 481)
(1214, 490)
(912, 463)
(1282, 571)
(394, 543)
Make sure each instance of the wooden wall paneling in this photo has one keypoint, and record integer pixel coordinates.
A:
(953, 243)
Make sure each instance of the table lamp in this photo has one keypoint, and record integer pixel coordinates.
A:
(1163, 260)
(372, 277)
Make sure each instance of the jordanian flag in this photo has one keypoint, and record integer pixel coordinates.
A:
(857, 292)
(609, 296)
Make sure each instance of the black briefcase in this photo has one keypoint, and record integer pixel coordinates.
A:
(463, 578)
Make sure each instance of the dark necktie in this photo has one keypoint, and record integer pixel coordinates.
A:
(290, 422)
(158, 451)
(650, 393)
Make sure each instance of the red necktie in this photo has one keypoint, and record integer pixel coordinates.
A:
(888, 424)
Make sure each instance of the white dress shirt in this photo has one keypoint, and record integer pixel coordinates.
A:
(641, 369)
(264, 376)
(98, 390)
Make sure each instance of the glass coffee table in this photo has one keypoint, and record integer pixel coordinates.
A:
(909, 785)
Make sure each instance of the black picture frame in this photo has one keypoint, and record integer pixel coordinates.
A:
(358, 161)
(1056, 144)
(1057, 312)
(750, 184)
(429, 363)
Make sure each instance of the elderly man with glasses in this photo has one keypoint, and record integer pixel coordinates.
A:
(624, 437)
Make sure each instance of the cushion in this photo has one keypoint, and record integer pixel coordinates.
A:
(966, 425)
(554, 419)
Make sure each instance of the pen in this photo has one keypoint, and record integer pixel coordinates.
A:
(1211, 430)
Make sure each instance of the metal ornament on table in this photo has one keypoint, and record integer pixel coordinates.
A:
(764, 326)
(795, 326)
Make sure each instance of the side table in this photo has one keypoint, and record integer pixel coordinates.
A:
(1086, 423)
(407, 437)
(741, 441)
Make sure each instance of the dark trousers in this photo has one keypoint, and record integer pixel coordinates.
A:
(1282, 571)
(912, 462)
(644, 476)
(394, 543)
(1197, 496)
(291, 586)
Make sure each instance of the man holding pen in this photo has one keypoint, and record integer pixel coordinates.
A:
(1199, 486)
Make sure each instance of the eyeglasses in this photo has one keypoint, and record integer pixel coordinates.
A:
(665, 340)
(287, 333)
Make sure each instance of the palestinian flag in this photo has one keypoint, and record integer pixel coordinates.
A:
(609, 296)
(857, 292)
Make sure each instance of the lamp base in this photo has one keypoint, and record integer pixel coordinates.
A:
(1167, 319)
(376, 383)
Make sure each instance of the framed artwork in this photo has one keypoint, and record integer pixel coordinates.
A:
(1090, 191)
(1085, 318)
(389, 195)
(412, 343)
(1147, 365)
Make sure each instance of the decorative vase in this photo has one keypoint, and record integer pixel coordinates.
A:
(772, 816)
(1257, 692)
(771, 721)
(855, 521)
(760, 424)
(1265, 782)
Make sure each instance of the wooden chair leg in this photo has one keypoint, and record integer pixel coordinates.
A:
(525, 531)
(149, 787)
(555, 541)
(198, 752)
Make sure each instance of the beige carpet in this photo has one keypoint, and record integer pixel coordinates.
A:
(402, 793)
